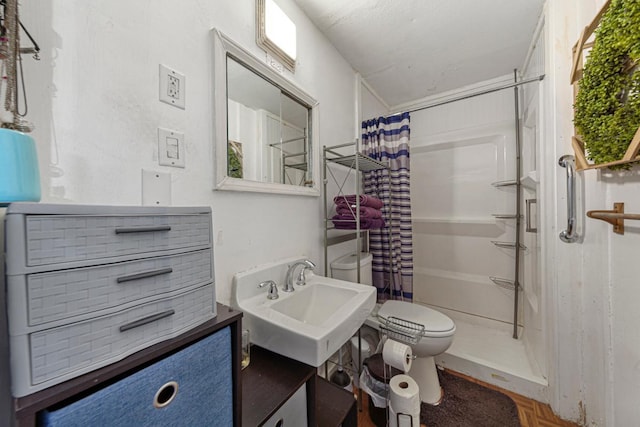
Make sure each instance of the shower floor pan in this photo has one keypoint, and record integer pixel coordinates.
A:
(493, 356)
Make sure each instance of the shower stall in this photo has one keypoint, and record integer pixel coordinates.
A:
(474, 187)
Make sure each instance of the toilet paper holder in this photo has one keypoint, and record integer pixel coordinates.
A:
(408, 333)
(410, 419)
(403, 403)
(401, 330)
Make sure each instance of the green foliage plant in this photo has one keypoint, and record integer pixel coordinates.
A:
(607, 108)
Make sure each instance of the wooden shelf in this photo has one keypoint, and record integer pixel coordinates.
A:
(271, 379)
(631, 156)
(334, 405)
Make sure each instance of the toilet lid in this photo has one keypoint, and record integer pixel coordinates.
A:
(435, 323)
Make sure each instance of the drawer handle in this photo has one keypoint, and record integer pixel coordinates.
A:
(165, 394)
(144, 275)
(145, 320)
(142, 229)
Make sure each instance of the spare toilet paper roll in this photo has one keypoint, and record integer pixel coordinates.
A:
(404, 395)
(397, 355)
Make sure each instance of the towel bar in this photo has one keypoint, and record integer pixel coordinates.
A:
(614, 217)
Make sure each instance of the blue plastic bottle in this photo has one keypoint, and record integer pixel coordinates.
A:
(19, 173)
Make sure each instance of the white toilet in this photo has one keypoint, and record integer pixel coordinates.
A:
(434, 340)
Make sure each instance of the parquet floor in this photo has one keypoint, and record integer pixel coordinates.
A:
(531, 413)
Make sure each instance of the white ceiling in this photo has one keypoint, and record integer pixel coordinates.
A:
(409, 49)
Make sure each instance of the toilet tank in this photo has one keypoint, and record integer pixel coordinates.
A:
(345, 268)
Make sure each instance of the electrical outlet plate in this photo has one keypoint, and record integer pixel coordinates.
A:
(172, 87)
(170, 148)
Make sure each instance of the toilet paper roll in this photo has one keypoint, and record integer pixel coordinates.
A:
(397, 355)
(404, 395)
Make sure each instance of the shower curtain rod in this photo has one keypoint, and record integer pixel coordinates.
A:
(472, 95)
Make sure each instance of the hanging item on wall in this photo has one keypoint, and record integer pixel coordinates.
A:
(607, 106)
(19, 174)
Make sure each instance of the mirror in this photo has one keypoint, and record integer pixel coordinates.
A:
(264, 131)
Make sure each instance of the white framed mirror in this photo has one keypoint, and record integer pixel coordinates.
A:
(265, 127)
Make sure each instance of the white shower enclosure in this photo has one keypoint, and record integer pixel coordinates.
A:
(463, 169)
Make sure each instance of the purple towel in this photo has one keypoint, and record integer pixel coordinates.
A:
(348, 222)
(365, 211)
(369, 201)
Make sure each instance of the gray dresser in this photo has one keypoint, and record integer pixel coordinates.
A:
(89, 285)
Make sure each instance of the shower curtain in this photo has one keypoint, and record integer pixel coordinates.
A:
(387, 139)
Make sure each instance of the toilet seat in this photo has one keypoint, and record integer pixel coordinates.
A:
(436, 324)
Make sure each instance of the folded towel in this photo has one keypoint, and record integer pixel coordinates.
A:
(348, 222)
(365, 200)
(365, 211)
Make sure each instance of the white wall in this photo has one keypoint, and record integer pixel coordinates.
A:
(94, 100)
(372, 106)
(611, 344)
(594, 319)
(368, 105)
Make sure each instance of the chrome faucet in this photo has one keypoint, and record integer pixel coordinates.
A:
(272, 293)
(288, 281)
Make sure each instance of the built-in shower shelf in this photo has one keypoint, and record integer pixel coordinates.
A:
(509, 183)
(505, 216)
(504, 283)
(508, 245)
(530, 180)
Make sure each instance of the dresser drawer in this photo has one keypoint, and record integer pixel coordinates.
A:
(63, 294)
(195, 384)
(54, 355)
(52, 239)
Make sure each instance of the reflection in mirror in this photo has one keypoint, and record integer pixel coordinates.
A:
(267, 130)
(265, 126)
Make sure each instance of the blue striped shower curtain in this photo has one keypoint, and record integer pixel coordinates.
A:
(387, 139)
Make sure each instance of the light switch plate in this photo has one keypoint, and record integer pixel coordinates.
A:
(172, 87)
(170, 148)
(156, 188)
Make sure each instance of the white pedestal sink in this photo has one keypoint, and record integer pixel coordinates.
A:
(309, 324)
